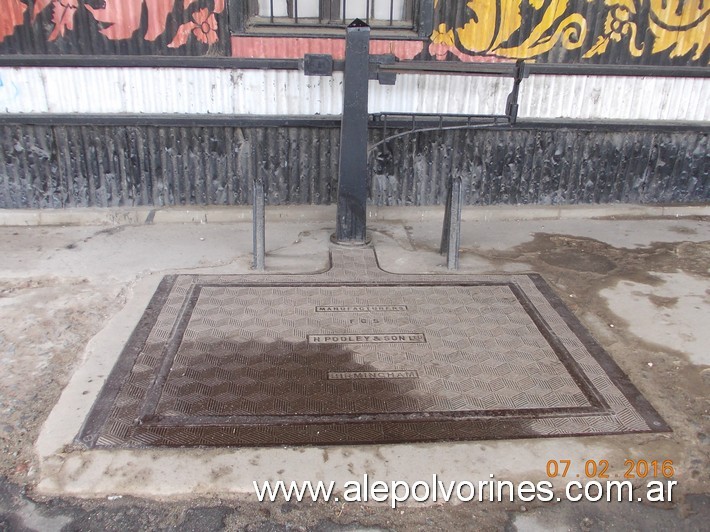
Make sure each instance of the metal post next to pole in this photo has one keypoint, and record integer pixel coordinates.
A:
(451, 234)
(352, 182)
(259, 225)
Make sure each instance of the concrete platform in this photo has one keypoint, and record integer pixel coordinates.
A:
(71, 296)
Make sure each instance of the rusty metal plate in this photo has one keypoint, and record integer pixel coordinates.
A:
(358, 355)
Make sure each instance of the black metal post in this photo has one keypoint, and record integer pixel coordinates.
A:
(352, 182)
(511, 105)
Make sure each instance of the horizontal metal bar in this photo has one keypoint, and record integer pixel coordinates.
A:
(172, 120)
(330, 121)
(123, 61)
(450, 67)
(552, 69)
(403, 67)
(611, 125)
(430, 117)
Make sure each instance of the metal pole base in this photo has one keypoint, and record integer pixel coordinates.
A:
(351, 243)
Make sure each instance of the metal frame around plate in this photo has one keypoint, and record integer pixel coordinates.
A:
(624, 411)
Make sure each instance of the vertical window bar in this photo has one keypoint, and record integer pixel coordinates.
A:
(295, 11)
(271, 13)
(345, 6)
(391, 11)
(367, 10)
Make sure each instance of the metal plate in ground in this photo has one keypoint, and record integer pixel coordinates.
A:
(357, 355)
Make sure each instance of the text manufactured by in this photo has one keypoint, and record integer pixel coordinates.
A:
(362, 308)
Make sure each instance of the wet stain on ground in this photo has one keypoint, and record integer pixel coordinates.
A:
(602, 263)
(580, 261)
(579, 268)
(103, 232)
(665, 302)
(683, 230)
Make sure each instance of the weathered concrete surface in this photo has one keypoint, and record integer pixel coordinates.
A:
(70, 296)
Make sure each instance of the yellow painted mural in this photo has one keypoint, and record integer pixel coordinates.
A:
(528, 29)
(681, 26)
(497, 20)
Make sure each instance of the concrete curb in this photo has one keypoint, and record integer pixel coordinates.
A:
(326, 213)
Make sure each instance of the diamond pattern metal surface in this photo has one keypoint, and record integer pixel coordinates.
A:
(356, 355)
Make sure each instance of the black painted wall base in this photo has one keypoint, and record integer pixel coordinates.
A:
(57, 166)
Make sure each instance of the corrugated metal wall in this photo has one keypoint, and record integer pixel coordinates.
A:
(544, 166)
(629, 32)
(64, 166)
(274, 92)
(621, 98)
(167, 91)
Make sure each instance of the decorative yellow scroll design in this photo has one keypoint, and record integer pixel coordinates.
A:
(681, 25)
(496, 20)
(617, 26)
(677, 27)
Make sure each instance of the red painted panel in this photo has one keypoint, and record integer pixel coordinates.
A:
(285, 47)
(297, 47)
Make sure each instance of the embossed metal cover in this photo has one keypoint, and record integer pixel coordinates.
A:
(358, 355)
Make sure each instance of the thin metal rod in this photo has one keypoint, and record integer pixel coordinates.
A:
(451, 232)
(259, 225)
(426, 129)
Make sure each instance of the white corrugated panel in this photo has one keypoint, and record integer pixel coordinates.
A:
(285, 92)
(22, 91)
(622, 98)
(275, 92)
(419, 93)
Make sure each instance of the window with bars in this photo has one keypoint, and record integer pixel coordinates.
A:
(412, 15)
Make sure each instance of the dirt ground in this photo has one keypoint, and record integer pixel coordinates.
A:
(59, 286)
